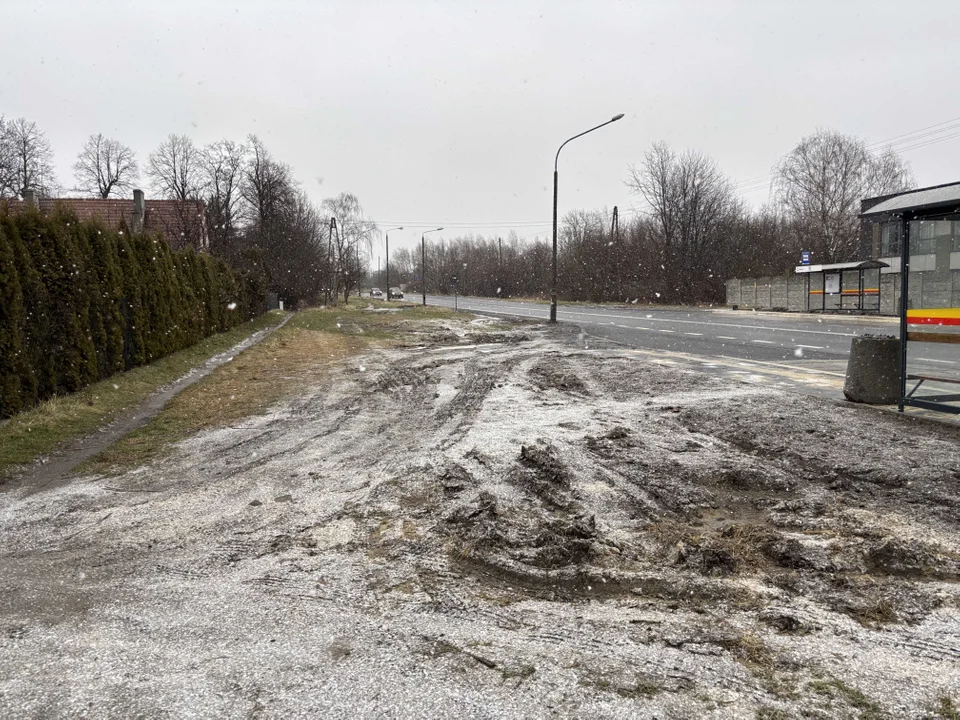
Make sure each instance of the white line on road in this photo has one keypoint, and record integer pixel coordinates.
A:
(765, 342)
(811, 347)
(725, 337)
(945, 362)
(669, 331)
(696, 334)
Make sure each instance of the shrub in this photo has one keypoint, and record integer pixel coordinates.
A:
(79, 302)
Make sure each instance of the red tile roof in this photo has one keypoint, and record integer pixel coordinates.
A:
(180, 223)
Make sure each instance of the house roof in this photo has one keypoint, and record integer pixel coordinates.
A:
(160, 216)
(943, 197)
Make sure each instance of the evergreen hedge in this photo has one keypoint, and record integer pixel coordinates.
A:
(79, 302)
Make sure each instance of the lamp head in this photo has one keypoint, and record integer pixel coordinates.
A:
(617, 117)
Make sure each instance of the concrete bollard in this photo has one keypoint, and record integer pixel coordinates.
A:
(873, 371)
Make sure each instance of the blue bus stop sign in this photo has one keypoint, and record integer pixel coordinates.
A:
(805, 257)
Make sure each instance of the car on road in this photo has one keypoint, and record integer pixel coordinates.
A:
(376, 292)
(395, 294)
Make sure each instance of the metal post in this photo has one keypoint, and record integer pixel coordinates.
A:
(553, 283)
(904, 303)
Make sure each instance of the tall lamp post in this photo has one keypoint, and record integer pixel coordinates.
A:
(423, 262)
(387, 234)
(553, 286)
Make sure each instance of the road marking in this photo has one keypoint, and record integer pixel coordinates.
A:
(811, 347)
(534, 310)
(945, 362)
(765, 342)
(668, 331)
(725, 337)
(576, 313)
(696, 334)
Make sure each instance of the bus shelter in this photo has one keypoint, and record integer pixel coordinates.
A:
(852, 287)
(926, 224)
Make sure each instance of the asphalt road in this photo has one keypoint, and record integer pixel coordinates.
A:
(805, 351)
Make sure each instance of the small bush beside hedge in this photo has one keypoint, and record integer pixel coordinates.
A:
(79, 302)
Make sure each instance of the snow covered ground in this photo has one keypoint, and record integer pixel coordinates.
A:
(519, 528)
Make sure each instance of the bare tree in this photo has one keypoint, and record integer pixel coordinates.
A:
(175, 169)
(26, 159)
(283, 224)
(8, 163)
(266, 190)
(691, 203)
(355, 237)
(820, 185)
(105, 165)
(222, 164)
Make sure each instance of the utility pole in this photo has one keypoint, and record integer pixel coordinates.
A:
(334, 285)
(387, 235)
(615, 231)
(499, 267)
(423, 261)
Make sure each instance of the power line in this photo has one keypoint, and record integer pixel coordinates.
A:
(905, 139)
(914, 132)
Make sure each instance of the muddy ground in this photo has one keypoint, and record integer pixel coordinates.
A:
(514, 524)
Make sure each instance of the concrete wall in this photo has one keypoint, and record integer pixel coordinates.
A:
(784, 292)
(927, 290)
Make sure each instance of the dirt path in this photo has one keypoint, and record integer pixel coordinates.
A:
(525, 528)
(56, 468)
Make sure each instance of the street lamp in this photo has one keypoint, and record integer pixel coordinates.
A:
(553, 286)
(423, 262)
(387, 234)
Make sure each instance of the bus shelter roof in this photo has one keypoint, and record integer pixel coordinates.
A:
(861, 265)
(937, 200)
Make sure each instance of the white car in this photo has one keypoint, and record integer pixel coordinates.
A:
(376, 292)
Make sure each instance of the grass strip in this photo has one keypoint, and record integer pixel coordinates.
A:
(300, 355)
(39, 431)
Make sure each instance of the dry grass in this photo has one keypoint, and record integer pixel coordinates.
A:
(837, 689)
(63, 419)
(281, 366)
(736, 548)
(298, 356)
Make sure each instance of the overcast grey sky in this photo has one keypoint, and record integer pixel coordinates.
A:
(450, 112)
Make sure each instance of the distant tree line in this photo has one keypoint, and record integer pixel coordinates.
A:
(79, 302)
(692, 231)
(689, 232)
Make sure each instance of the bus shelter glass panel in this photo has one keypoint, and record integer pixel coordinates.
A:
(933, 315)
